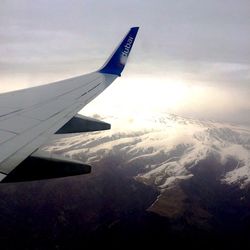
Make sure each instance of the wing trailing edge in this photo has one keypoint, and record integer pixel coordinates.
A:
(80, 123)
(43, 165)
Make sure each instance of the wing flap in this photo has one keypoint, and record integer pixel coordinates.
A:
(46, 166)
(80, 123)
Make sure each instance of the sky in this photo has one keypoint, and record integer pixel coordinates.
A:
(191, 57)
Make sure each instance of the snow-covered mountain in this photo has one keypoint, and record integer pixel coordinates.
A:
(165, 151)
(169, 179)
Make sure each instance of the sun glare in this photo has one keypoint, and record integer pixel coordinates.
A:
(155, 94)
(141, 95)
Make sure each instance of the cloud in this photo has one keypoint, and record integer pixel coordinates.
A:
(205, 44)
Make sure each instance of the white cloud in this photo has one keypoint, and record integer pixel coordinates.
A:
(183, 61)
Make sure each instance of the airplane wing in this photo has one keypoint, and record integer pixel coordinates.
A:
(30, 116)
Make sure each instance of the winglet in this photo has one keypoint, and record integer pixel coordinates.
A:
(116, 63)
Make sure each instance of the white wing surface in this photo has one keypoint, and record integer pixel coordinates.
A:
(29, 117)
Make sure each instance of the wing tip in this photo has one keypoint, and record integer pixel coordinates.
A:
(116, 63)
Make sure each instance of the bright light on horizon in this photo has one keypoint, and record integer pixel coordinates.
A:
(142, 96)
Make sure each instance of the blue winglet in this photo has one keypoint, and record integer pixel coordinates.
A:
(116, 63)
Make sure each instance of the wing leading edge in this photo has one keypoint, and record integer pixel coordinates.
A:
(34, 114)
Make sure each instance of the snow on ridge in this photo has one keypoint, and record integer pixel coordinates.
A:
(166, 146)
(239, 176)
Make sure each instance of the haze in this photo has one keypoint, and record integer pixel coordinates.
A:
(191, 57)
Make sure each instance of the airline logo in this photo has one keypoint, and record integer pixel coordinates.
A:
(127, 46)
